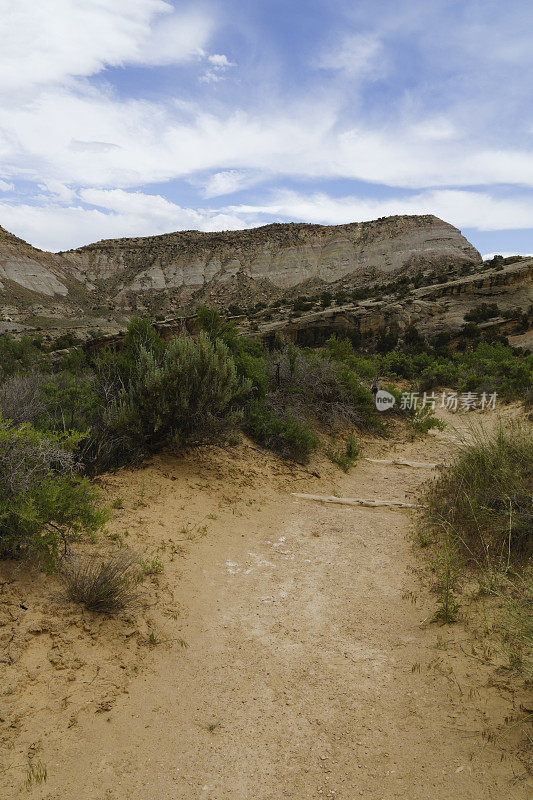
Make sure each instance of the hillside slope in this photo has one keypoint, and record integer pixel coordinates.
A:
(33, 281)
(282, 255)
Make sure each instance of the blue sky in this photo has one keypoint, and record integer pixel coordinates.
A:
(134, 117)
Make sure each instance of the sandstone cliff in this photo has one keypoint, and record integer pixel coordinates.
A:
(34, 282)
(283, 255)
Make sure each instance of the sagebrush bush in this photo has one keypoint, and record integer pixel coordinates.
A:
(17, 355)
(280, 432)
(345, 458)
(104, 585)
(324, 389)
(44, 504)
(189, 394)
(22, 396)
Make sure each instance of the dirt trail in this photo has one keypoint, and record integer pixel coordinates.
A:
(311, 669)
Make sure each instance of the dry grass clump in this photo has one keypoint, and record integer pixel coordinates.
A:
(104, 585)
(479, 519)
(485, 495)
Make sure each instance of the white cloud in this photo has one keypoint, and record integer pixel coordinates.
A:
(220, 60)
(219, 64)
(51, 41)
(90, 138)
(434, 129)
(464, 209)
(227, 182)
(58, 191)
(355, 55)
(177, 38)
(72, 138)
(116, 213)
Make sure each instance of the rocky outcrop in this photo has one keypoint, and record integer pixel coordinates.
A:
(432, 309)
(284, 255)
(33, 281)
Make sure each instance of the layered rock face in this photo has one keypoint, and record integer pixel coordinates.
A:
(33, 278)
(285, 255)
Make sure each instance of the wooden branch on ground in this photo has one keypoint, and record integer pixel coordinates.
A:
(354, 501)
(402, 463)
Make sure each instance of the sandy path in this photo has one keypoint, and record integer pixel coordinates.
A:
(310, 671)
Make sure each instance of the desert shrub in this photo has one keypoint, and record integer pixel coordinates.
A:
(236, 311)
(65, 340)
(323, 389)
(44, 504)
(71, 401)
(342, 350)
(440, 373)
(387, 341)
(482, 312)
(424, 420)
(470, 330)
(345, 458)
(18, 355)
(213, 323)
(104, 585)
(302, 304)
(488, 367)
(484, 495)
(190, 394)
(22, 396)
(280, 432)
(412, 337)
(479, 518)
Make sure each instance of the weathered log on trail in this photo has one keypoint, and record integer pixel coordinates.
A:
(355, 501)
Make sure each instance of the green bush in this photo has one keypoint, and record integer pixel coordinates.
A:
(190, 394)
(345, 458)
(313, 387)
(281, 433)
(18, 355)
(44, 504)
(484, 495)
(482, 312)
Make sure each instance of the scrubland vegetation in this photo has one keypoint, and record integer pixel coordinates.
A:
(479, 524)
(474, 367)
(62, 422)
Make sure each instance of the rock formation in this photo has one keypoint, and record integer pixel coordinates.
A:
(283, 255)
(99, 286)
(33, 282)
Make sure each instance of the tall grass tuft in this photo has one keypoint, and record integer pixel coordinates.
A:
(485, 495)
(105, 585)
(480, 517)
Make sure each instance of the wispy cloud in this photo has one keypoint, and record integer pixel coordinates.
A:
(219, 64)
(110, 97)
(462, 208)
(355, 55)
(55, 40)
(227, 182)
